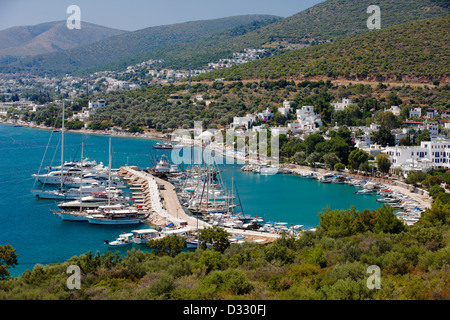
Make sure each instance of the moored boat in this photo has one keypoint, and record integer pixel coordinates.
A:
(117, 217)
(122, 241)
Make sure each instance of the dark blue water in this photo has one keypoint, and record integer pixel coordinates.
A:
(38, 236)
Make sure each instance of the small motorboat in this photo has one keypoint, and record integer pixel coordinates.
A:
(122, 241)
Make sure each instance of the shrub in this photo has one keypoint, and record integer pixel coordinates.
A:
(436, 190)
(211, 260)
(231, 280)
(317, 257)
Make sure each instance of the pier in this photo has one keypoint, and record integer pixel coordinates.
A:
(158, 199)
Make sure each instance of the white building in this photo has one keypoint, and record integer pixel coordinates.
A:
(307, 118)
(4, 109)
(340, 106)
(266, 115)
(96, 104)
(394, 109)
(445, 114)
(431, 113)
(276, 131)
(242, 121)
(430, 154)
(286, 109)
(433, 128)
(415, 113)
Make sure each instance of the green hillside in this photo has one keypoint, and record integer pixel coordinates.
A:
(405, 52)
(200, 42)
(334, 19)
(127, 45)
(329, 20)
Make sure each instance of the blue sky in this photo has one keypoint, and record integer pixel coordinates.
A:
(137, 14)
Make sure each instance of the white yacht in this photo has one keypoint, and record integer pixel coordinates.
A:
(72, 215)
(71, 194)
(116, 217)
(92, 202)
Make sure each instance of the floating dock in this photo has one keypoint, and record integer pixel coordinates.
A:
(158, 199)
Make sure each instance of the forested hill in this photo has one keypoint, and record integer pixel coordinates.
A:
(127, 45)
(335, 19)
(410, 52)
(201, 42)
(326, 21)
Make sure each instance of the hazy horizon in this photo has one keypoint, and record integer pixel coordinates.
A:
(138, 14)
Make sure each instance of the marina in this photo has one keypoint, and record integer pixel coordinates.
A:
(41, 236)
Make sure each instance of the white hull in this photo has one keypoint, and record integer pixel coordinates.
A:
(72, 216)
(269, 170)
(106, 221)
(49, 180)
(53, 195)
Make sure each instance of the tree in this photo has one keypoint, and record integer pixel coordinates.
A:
(389, 120)
(436, 190)
(8, 259)
(383, 163)
(356, 158)
(300, 156)
(216, 237)
(387, 222)
(170, 245)
(423, 136)
(331, 159)
(312, 140)
(279, 118)
(384, 137)
(439, 211)
(313, 158)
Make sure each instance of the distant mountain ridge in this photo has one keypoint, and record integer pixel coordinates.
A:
(127, 45)
(50, 37)
(200, 42)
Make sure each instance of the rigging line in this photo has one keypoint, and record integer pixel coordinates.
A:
(42, 161)
(54, 154)
(67, 175)
(13, 172)
(16, 180)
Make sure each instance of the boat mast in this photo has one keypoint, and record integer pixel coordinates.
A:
(81, 177)
(62, 144)
(207, 187)
(109, 174)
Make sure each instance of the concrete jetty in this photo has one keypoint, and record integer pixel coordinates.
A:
(158, 199)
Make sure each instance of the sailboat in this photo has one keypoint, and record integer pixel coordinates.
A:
(68, 215)
(121, 216)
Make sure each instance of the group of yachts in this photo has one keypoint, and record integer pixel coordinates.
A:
(87, 191)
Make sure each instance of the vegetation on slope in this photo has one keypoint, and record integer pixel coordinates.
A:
(194, 42)
(329, 264)
(410, 51)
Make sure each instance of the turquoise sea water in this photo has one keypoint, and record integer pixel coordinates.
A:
(38, 236)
